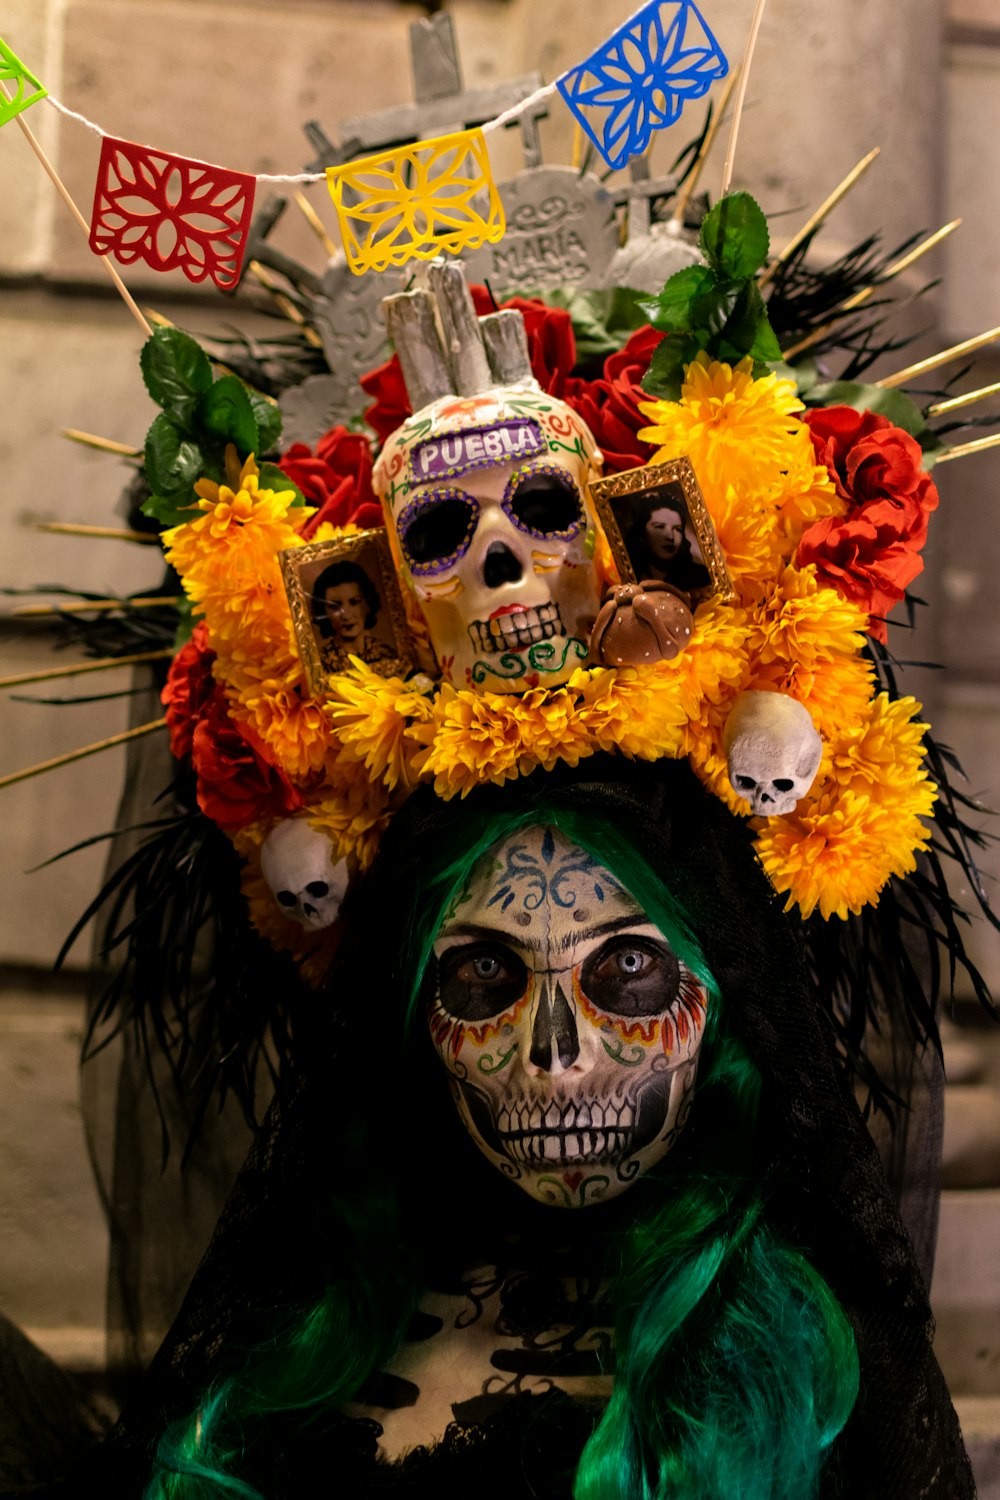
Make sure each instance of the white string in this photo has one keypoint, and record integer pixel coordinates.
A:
(506, 118)
(290, 177)
(516, 110)
(71, 114)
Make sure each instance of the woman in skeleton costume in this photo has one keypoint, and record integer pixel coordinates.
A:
(654, 1259)
(570, 1195)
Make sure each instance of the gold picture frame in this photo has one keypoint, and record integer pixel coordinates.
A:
(364, 618)
(679, 546)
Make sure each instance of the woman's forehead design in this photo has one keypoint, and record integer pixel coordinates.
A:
(535, 880)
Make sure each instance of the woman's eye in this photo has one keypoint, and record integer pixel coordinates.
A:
(631, 962)
(631, 976)
(477, 981)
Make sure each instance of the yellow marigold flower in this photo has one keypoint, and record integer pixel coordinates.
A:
(808, 494)
(370, 716)
(637, 710)
(840, 854)
(800, 623)
(354, 816)
(227, 557)
(751, 538)
(880, 752)
(550, 726)
(470, 739)
(280, 711)
(836, 691)
(735, 429)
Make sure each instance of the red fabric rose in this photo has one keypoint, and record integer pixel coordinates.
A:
(610, 406)
(337, 479)
(852, 557)
(873, 462)
(870, 555)
(391, 405)
(236, 785)
(188, 688)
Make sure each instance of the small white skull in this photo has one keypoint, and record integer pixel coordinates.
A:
(773, 751)
(306, 881)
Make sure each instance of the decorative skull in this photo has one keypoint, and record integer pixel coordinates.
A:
(307, 883)
(773, 751)
(486, 498)
(569, 1027)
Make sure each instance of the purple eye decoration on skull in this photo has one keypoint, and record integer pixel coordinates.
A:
(543, 501)
(436, 530)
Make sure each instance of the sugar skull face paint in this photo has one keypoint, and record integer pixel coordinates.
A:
(567, 1024)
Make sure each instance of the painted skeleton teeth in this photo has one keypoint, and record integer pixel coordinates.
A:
(524, 628)
(567, 1145)
(522, 1118)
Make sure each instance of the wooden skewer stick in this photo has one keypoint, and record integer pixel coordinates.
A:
(315, 222)
(106, 445)
(727, 170)
(579, 146)
(962, 450)
(934, 362)
(115, 533)
(64, 193)
(71, 755)
(904, 263)
(286, 305)
(98, 605)
(77, 669)
(862, 296)
(816, 219)
(684, 196)
(955, 403)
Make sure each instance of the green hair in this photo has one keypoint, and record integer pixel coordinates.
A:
(735, 1366)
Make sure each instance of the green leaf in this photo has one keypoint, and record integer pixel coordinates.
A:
(185, 623)
(172, 461)
(268, 419)
(602, 320)
(734, 237)
(273, 478)
(673, 310)
(176, 371)
(168, 510)
(225, 411)
(665, 375)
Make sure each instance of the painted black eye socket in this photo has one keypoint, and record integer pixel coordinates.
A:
(439, 531)
(477, 981)
(286, 898)
(317, 888)
(545, 505)
(631, 976)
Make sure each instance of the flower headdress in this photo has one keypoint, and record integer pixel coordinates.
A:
(819, 511)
